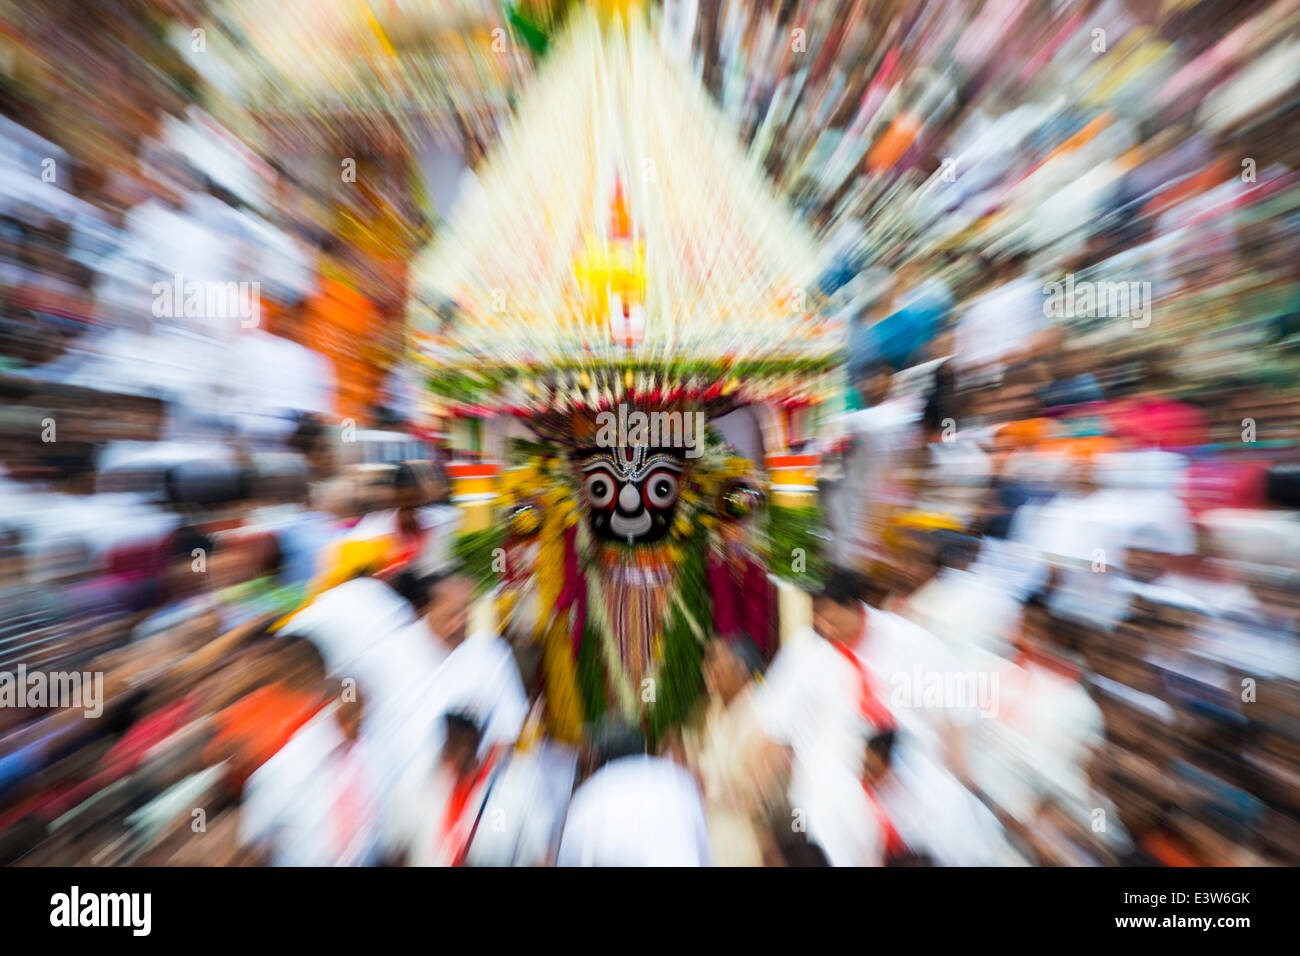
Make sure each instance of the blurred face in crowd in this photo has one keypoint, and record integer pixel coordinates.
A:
(910, 566)
(725, 674)
(439, 489)
(1034, 632)
(299, 665)
(183, 575)
(1144, 565)
(873, 387)
(837, 622)
(1278, 593)
(349, 716)
(1017, 401)
(943, 344)
(409, 492)
(449, 608)
(909, 276)
(460, 750)
(235, 561)
(875, 763)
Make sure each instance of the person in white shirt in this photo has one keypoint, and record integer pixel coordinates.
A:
(407, 660)
(998, 325)
(968, 607)
(424, 531)
(740, 773)
(1146, 571)
(452, 800)
(524, 810)
(347, 620)
(817, 699)
(928, 691)
(1038, 745)
(400, 670)
(861, 669)
(921, 815)
(479, 673)
(634, 810)
(315, 802)
(472, 673)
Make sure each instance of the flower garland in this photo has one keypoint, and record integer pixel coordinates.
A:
(539, 498)
(794, 544)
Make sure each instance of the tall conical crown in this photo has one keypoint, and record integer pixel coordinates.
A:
(619, 225)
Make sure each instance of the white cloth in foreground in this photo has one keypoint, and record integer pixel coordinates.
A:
(636, 811)
(809, 701)
(525, 806)
(314, 802)
(928, 809)
(935, 814)
(1038, 744)
(346, 620)
(965, 610)
(397, 676)
(478, 678)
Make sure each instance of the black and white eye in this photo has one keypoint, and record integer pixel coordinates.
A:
(600, 490)
(661, 489)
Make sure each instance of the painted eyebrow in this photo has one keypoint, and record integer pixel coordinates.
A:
(603, 460)
(664, 461)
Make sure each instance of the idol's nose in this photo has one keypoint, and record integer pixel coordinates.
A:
(629, 499)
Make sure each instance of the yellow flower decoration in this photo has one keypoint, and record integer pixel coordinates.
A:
(553, 497)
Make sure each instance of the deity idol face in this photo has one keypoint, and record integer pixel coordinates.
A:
(631, 492)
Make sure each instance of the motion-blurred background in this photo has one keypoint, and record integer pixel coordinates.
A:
(1060, 236)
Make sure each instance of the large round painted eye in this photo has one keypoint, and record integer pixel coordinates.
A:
(600, 489)
(661, 489)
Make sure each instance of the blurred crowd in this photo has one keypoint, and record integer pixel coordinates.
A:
(1100, 488)
(1059, 505)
